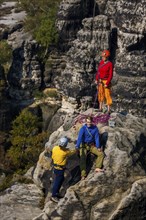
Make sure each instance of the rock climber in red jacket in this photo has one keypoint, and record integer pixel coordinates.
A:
(104, 76)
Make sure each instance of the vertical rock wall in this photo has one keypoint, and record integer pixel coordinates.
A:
(70, 16)
(25, 73)
(128, 19)
(85, 29)
(117, 25)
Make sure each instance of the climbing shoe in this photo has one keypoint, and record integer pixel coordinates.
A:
(54, 199)
(59, 196)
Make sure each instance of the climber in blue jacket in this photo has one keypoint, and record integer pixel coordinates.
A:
(88, 140)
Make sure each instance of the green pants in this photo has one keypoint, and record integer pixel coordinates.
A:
(83, 154)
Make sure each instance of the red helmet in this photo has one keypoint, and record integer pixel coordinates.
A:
(105, 53)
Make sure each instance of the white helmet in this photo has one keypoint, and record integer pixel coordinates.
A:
(63, 141)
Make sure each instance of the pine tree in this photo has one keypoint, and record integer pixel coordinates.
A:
(41, 21)
(27, 142)
(6, 52)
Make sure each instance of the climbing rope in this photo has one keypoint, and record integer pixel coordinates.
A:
(100, 118)
(81, 119)
(92, 25)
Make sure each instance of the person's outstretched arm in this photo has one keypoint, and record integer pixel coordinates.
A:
(80, 138)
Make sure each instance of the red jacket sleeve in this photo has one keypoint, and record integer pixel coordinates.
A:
(97, 73)
(110, 74)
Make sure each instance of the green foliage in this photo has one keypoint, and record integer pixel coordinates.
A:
(26, 124)
(1, 1)
(27, 142)
(40, 21)
(46, 34)
(2, 87)
(38, 6)
(38, 94)
(49, 92)
(10, 179)
(5, 52)
(6, 183)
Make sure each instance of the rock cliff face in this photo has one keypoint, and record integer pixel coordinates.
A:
(70, 16)
(25, 73)
(80, 68)
(119, 26)
(85, 29)
(118, 193)
(24, 205)
(128, 18)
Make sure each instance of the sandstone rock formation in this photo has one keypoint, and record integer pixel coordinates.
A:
(24, 77)
(25, 73)
(108, 24)
(85, 29)
(119, 26)
(119, 193)
(20, 201)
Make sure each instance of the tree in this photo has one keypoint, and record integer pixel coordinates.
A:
(40, 21)
(27, 142)
(46, 34)
(6, 52)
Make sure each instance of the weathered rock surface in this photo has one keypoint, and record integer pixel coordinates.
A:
(85, 30)
(17, 88)
(15, 17)
(70, 16)
(80, 68)
(119, 26)
(119, 193)
(20, 201)
(25, 73)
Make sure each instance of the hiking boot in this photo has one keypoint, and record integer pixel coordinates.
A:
(54, 199)
(59, 196)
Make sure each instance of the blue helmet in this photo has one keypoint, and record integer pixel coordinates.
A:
(63, 141)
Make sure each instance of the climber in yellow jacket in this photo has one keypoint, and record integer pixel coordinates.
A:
(59, 156)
